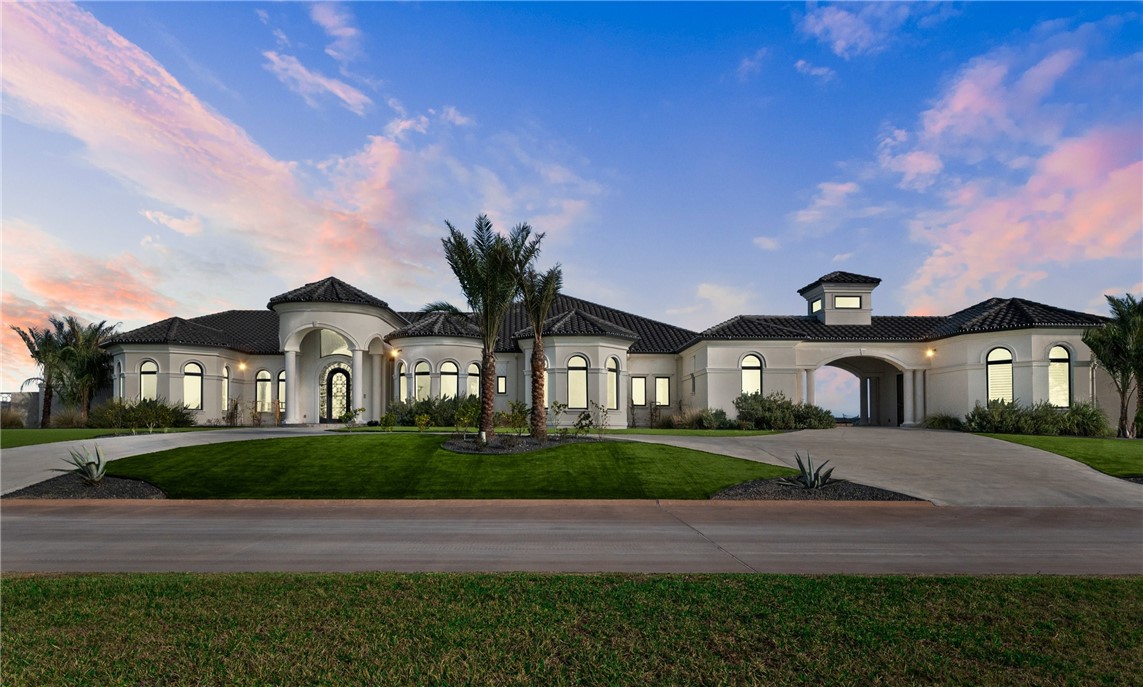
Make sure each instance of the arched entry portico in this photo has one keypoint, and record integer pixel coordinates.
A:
(891, 394)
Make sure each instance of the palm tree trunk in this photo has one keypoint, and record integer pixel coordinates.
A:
(539, 410)
(46, 412)
(1124, 427)
(488, 394)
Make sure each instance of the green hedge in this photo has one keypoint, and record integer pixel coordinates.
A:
(778, 412)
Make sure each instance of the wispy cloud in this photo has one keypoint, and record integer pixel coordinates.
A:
(766, 243)
(309, 84)
(832, 206)
(716, 303)
(749, 66)
(453, 116)
(338, 23)
(855, 29)
(823, 74)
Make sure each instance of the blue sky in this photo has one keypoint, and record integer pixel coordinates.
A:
(689, 162)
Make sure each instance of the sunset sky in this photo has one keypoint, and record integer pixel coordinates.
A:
(689, 162)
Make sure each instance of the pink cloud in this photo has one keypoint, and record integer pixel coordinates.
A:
(337, 22)
(308, 84)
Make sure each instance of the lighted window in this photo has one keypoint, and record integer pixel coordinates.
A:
(999, 374)
(262, 391)
(422, 376)
(121, 380)
(225, 389)
(1059, 377)
(501, 384)
(816, 305)
(192, 386)
(752, 374)
(638, 391)
(577, 382)
(847, 302)
(613, 383)
(333, 343)
(149, 380)
(282, 391)
(473, 380)
(662, 391)
(450, 378)
(403, 382)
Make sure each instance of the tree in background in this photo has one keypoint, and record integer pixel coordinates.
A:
(45, 346)
(72, 361)
(1118, 349)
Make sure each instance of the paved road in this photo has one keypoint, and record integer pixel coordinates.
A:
(581, 536)
(947, 468)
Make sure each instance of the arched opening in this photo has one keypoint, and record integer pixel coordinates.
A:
(577, 382)
(192, 386)
(613, 383)
(334, 392)
(866, 391)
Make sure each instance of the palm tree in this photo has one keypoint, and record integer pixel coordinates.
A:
(1128, 311)
(87, 366)
(45, 346)
(486, 270)
(1116, 347)
(539, 291)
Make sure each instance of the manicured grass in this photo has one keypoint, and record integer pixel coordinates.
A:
(1116, 457)
(411, 466)
(14, 438)
(636, 430)
(520, 629)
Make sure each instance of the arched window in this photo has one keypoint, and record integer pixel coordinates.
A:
(225, 389)
(752, 374)
(149, 380)
(999, 374)
(192, 386)
(422, 375)
(1059, 377)
(403, 382)
(473, 380)
(450, 376)
(577, 382)
(613, 383)
(282, 391)
(262, 397)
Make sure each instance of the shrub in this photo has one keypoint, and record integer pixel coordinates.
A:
(68, 418)
(518, 414)
(1086, 420)
(943, 421)
(90, 468)
(424, 421)
(999, 417)
(11, 419)
(808, 477)
(1003, 417)
(778, 412)
(583, 424)
(149, 413)
(387, 421)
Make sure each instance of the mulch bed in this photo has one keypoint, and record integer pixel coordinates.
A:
(774, 490)
(503, 445)
(72, 486)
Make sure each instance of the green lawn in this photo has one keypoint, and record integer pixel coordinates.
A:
(528, 629)
(1116, 457)
(14, 438)
(636, 430)
(412, 466)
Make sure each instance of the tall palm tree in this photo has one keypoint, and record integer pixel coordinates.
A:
(485, 267)
(1128, 311)
(539, 291)
(87, 366)
(1115, 347)
(45, 346)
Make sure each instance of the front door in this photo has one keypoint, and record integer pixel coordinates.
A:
(337, 390)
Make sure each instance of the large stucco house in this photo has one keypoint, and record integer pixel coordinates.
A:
(328, 346)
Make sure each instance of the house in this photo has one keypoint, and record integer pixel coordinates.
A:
(328, 346)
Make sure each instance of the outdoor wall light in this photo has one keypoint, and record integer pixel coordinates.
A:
(395, 351)
(930, 353)
(241, 366)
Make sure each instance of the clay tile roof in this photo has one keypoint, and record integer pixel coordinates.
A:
(809, 328)
(997, 314)
(839, 278)
(249, 331)
(576, 322)
(328, 290)
(436, 324)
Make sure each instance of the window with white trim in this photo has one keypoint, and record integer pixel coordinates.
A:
(450, 379)
(577, 382)
(662, 391)
(402, 382)
(999, 374)
(847, 302)
(262, 391)
(613, 383)
(192, 386)
(639, 391)
(1059, 377)
(282, 391)
(473, 380)
(752, 374)
(422, 380)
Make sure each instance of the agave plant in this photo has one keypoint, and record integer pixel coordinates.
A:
(808, 477)
(90, 468)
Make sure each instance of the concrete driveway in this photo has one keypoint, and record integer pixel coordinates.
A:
(947, 468)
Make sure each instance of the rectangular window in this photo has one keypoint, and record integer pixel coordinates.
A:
(501, 384)
(662, 391)
(816, 306)
(1059, 391)
(847, 302)
(639, 391)
(149, 386)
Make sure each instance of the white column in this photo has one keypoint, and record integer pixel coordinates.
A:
(800, 392)
(907, 392)
(375, 397)
(863, 384)
(810, 387)
(358, 378)
(292, 404)
(919, 396)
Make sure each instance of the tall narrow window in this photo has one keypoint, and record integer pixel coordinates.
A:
(282, 391)
(450, 375)
(403, 382)
(121, 380)
(752, 374)
(149, 380)
(262, 397)
(638, 391)
(192, 386)
(577, 382)
(662, 391)
(613, 383)
(1059, 377)
(422, 377)
(225, 389)
(999, 375)
(501, 384)
(473, 380)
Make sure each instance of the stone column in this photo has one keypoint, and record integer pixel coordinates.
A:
(292, 404)
(377, 361)
(907, 392)
(358, 378)
(810, 387)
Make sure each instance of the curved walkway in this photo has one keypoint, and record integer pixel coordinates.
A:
(946, 468)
